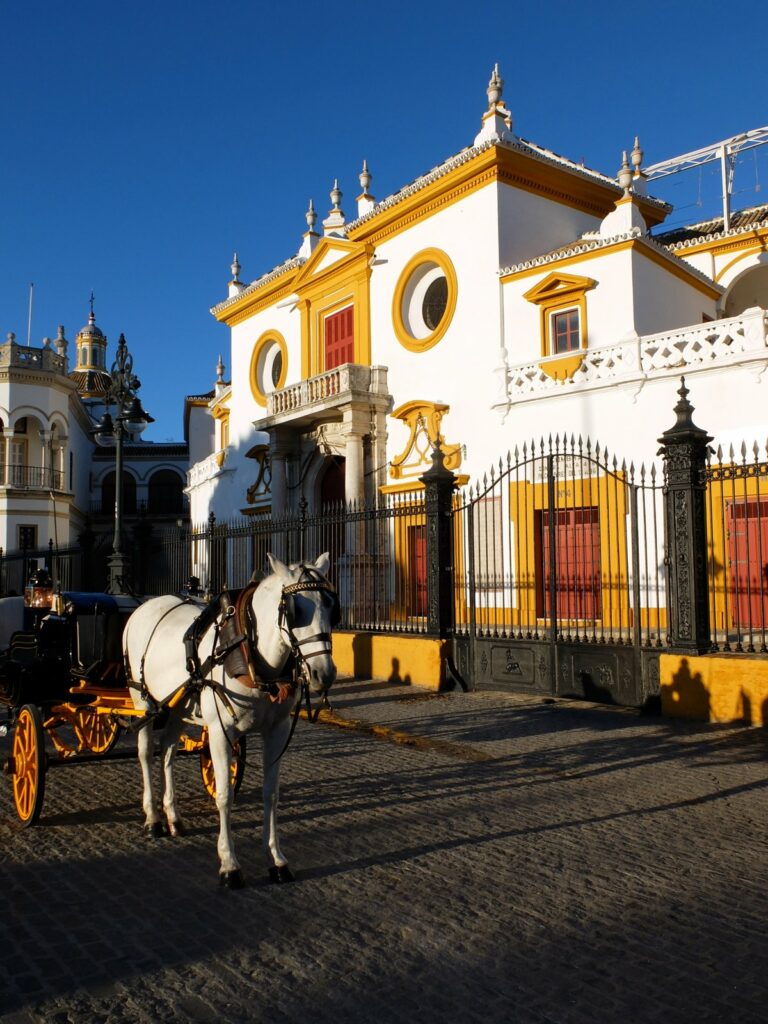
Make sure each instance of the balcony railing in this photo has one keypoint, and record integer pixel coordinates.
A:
(46, 358)
(207, 468)
(32, 478)
(737, 340)
(332, 388)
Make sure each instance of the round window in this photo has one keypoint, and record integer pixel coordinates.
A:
(424, 300)
(268, 366)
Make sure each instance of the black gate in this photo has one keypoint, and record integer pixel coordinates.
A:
(559, 575)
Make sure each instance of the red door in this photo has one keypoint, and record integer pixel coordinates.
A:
(577, 564)
(417, 570)
(748, 562)
(340, 338)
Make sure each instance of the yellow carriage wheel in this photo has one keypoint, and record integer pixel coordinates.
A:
(96, 733)
(236, 767)
(28, 764)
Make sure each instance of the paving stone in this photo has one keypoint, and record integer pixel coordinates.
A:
(481, 857)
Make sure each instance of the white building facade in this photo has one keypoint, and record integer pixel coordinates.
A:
(509, 294)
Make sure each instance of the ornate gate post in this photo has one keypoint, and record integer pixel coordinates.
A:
(439, 485)
(684, 448)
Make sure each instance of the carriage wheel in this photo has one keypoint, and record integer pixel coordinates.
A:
(96, 733)
(28, 764)
(236, 768)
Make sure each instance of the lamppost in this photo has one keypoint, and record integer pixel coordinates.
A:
(129, 419)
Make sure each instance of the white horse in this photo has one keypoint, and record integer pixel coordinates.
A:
(294, 610)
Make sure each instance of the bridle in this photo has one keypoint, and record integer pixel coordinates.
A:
(315, 582)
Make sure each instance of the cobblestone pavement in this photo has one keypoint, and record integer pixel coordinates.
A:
(468, 857)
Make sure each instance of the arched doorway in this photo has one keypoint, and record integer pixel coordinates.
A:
(108, 493)
(333, 508)
(165, 495)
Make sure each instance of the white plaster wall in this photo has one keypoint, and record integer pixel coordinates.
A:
(530, 225)
(664, 301)
(459, 369)
(200, 434)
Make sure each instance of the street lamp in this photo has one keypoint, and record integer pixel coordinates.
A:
(129, 419)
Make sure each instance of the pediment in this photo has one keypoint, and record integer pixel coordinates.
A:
(557, 285)
(328, 253)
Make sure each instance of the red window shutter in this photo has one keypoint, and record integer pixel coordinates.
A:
(340, 338)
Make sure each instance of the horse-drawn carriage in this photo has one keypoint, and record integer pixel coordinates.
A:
(62, 677)
(78, 668)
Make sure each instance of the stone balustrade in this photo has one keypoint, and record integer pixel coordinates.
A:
(207, 468)
(740, 339)
(327, 389)
(14, 355)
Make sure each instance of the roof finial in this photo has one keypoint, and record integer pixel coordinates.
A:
(235, 268)
(220, 371)
(91, 317)
(637, 157)
(311, 216)
(624, 175)
(336, 195)
(495, 87)
(335, 220)
(365, 178)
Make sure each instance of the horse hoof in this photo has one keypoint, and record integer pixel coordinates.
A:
(278, 875)
(176, 829)
(231, 879)
(156, 830)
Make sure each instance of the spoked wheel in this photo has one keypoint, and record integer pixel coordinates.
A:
(28, 764)
(96, 733)
(236, 767)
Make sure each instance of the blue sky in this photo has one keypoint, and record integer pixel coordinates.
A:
(141, 143)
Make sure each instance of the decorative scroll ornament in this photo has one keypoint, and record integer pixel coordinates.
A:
(423, 420)
(262, 486)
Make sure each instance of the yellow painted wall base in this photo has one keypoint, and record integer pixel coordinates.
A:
(397, 659)
(715, 689)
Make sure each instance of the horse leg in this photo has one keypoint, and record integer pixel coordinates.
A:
(152, 821)
(274, 744)
(221, 753)
(168, 747)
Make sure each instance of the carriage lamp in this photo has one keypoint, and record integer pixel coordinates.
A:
(38, 593)
(131, 419)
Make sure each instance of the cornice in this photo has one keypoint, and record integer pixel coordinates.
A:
(633, 239)
(719, 241)
(229, 310)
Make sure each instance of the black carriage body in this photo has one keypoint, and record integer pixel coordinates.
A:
(54, 651)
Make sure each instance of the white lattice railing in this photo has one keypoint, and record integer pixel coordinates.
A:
(206, 468)
(739, 339)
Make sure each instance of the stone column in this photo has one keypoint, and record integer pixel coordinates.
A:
(684, 449)
(278, 454)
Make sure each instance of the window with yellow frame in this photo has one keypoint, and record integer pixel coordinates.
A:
(563, 304)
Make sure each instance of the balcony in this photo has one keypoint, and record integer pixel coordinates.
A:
(328, 392)
(206, 469)
(31, 478)
(736, 341)
(17, 356)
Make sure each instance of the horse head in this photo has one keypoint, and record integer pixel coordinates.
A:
(296, 608)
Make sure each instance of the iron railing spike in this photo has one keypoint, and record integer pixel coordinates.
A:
(719, 453)
(653, 473)
(755, 451)
(744, 450)
(731, 454)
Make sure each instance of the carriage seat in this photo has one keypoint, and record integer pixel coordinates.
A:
(96, 634)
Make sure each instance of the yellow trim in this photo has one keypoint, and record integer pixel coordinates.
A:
(324, 290)
(269, 294)
(715, 689)
(443, 261)
(401, 659)
(508, 166)
(742, 255)
(674, 264)
(606, 493)
(258, 348)
(718, 246)
(556, 294)
(422, 417)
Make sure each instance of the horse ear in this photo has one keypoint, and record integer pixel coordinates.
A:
(323, 563)
(278, 567)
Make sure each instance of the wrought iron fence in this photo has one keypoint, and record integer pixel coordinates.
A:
(737, 555)
(65, 566)
(562, 541)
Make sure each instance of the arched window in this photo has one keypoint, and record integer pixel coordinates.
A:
(108, 493)
(165, 492)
